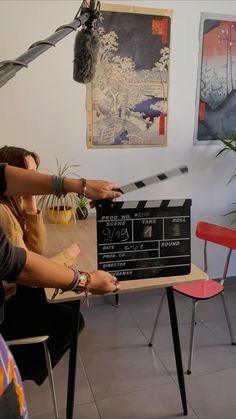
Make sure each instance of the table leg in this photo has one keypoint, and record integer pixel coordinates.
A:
(117, 299)
(72, 360)
(177, 348)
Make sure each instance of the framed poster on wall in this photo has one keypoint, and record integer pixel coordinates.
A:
(216, 85)
(127, 101)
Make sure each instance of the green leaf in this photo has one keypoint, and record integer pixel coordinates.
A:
(70, 199)
(223, 150)
(229, 144)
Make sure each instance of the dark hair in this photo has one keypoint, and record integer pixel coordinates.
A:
(15, 157)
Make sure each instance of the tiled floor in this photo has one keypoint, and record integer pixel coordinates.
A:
(120, 377)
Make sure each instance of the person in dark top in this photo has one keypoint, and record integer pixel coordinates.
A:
(28, 268)
(23, 224)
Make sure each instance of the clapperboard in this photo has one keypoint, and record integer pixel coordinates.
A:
(144, 239)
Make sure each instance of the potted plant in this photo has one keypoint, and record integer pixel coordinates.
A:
(60, 209)
(229, 146)
(81, 209)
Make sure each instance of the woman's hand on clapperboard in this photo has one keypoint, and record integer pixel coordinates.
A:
(101, 189)
(102, 282)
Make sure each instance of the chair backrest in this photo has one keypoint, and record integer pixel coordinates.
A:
(216, 234)
(223, 236)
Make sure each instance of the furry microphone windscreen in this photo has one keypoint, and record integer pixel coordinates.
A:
(85, 55)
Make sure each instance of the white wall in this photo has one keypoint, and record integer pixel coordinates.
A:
(43, 109)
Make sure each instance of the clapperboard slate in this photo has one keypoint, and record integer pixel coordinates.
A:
(144, 239)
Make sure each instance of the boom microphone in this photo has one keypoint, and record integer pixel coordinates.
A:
(86, 48)
(87, 45)
(85, 55)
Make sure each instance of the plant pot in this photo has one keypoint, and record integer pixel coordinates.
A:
(60, 215)
(81, 213)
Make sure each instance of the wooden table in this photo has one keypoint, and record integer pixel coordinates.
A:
(84, 233)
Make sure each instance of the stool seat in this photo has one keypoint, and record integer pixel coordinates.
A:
(200, 290)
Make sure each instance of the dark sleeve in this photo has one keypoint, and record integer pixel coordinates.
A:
(12, 259)
(2, 178)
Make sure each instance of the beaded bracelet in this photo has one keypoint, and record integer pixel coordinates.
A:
(86, 290)
(71, 286)
(58, 186)
(74, 285)
(75, 282)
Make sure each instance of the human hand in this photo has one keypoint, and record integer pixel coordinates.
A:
(102, 282)
(101, 189)
(73, 250)
(29, 204)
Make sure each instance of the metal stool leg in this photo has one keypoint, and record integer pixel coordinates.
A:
(227, 318)
(192, 336)
(50, 377)
(157, 318)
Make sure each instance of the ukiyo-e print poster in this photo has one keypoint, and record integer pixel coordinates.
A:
(216, 90)
(127, 101)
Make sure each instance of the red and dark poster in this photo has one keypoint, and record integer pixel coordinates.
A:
(216, 91)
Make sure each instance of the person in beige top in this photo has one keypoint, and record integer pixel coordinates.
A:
(23, 224)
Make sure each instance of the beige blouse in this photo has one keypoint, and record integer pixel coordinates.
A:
(33, 238)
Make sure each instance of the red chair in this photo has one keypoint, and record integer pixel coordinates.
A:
(199, 291)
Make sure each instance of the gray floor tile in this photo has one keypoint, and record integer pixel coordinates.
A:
(82, 411)
(39, 399)
(213, 395)
(145, 313)
(150, 403)
(163, 337)
(209, 354)
(112, 346)
(115, 371)
(119, 376)
(212, 310)
(221, 331)
(106, 325)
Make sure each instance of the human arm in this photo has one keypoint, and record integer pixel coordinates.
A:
(28, 268)
(42, 272)
(95, 189)
(35, 234)
(34, 238)
(30, 204)
(26, 182)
